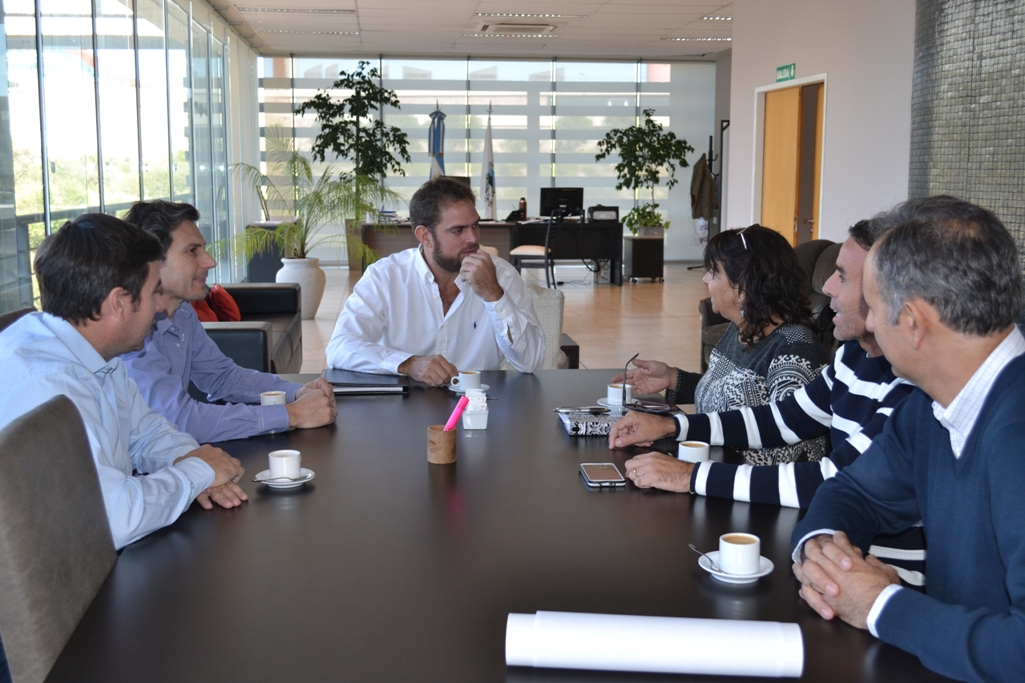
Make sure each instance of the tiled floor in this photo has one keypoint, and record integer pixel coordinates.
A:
(658, 320)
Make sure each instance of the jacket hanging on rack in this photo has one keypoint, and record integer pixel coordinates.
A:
(702, 190)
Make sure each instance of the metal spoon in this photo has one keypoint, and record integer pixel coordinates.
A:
(711, 562)
(280, 479)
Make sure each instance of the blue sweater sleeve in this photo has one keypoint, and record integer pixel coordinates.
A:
(975, 644)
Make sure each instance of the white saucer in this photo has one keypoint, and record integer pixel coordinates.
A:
(604, 402)
(308, 474)
(764, 569)
(459, 390)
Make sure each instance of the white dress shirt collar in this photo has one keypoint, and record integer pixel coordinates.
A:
(959, 417)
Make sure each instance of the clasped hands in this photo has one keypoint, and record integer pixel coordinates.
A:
(838, 580)
(314, 405)
(225, 490)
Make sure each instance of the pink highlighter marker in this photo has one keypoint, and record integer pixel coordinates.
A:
(460, 407)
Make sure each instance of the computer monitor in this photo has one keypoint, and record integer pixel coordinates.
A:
(562, 201)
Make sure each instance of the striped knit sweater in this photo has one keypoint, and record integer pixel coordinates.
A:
(850, 401)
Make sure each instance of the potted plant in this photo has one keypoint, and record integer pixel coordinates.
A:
(309, 203)
(350, 129)
(646, 152)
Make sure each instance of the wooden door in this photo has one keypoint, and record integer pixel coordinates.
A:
(810, 172)
(781, 154)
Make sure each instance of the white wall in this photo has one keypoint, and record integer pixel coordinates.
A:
(866, 50)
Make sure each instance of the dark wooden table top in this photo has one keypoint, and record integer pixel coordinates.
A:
(385, 568)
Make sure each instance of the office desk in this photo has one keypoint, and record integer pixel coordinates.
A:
(385, 568)
(594, 241)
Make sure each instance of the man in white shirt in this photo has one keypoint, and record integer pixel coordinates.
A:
(430, 311)
(99, 282)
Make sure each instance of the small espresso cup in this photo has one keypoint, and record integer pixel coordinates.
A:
(740, 553)
(285, 464)
(467, 379)
(615, 394)
(272, 398)
(693, 451)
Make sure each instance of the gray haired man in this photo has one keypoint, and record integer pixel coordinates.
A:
(943, 295)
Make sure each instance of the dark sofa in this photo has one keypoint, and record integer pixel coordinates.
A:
(269, 338)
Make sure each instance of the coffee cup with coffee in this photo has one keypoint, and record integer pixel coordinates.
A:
(693, 451)
(615, 394)
(740, 553)
(272, 398)
(467, 379)
(285, 464)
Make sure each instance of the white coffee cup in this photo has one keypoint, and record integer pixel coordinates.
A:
(740, 553)
(272, 398)
(467, 379)
(285, 464)
(615, 394)
(693, 451)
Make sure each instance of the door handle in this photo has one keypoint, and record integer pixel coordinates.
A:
(809, 221)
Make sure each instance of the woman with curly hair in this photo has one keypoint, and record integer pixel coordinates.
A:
(768, 351)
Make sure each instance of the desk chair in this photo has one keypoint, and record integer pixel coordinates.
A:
(536, 256)
(55, 544)
(548, 305)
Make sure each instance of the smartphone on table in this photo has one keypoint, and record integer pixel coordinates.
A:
(601, 475)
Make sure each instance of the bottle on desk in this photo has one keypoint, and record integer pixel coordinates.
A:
(523, 208)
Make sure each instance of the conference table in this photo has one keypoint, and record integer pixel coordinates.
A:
(387, 568)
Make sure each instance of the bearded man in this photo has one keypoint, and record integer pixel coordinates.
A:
(446, 305)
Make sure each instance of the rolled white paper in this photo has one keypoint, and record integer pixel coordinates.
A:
(614, 642)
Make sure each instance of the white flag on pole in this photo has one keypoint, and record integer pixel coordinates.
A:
(487, 180)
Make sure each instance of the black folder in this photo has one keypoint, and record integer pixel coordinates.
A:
(365, 383)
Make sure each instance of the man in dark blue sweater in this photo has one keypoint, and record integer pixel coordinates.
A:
(943, 296)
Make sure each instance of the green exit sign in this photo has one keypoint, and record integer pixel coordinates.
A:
(786, 73)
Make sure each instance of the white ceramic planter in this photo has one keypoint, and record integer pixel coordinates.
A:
(651, 231)
(311, 279)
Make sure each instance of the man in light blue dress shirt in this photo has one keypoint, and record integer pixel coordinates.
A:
(178, 350)
(99, 281)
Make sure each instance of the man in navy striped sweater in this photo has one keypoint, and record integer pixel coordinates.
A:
(943, 295)
(851, 401)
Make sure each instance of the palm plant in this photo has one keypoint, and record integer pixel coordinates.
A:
(310, 202)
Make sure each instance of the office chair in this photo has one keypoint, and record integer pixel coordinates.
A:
(55, 544)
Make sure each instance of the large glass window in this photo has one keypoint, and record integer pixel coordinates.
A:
(547, 117)
(201, 131)
(153, 100)
(69, 87)
(113, 119)
(118, 114)
(179, 101)
(22, 225)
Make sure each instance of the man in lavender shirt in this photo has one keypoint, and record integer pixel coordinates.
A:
(178, 349)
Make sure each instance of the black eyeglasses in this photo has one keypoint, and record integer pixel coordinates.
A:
(625, 369)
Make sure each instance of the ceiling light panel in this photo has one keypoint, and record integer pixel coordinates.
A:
(716, 18)
(700, 40)
(292, 10)
(528, 15)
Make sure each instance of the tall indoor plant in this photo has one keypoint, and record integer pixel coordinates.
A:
(351, 128)
(309, 202)
(646, 152)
